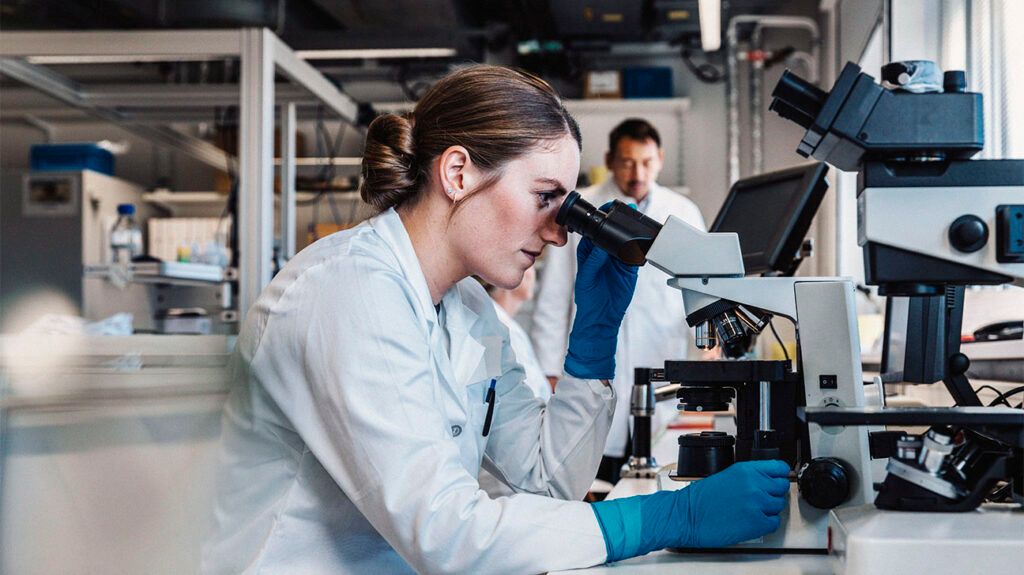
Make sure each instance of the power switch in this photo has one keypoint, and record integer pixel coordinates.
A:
(1010, 234)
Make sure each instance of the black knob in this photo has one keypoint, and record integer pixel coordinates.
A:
(954, 81)
(968, 233)
(959, 364)
(824, 482)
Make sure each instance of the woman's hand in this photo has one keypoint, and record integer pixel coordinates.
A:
(604, 287)
(738, 504)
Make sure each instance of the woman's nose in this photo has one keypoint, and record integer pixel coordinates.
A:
(553, 233)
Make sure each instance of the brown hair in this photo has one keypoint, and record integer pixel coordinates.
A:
(497, 114)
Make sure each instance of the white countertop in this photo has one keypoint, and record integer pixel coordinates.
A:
(713, 564)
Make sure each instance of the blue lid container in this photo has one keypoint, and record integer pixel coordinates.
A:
(647, 82)
(71, 158)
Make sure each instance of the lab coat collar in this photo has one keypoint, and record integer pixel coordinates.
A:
(464, 363)
(390, 227)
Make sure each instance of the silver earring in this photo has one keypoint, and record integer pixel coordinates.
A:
(450, 192)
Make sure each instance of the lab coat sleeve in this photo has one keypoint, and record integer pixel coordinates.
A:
(553, 308)
(370, 410)
(551, 449)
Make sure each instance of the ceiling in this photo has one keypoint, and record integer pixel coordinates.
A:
(546, 36)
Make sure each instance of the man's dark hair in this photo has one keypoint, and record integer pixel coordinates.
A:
(634, 129)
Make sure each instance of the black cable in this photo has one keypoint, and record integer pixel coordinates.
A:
(785, 353)
(997, 392)
(704, 72)
(1006, 395)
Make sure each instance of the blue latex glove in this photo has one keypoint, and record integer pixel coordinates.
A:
(739, 503)
(603, 290)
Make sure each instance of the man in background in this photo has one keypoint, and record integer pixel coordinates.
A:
(654, 328)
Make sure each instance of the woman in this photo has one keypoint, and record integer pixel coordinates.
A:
(366, 409)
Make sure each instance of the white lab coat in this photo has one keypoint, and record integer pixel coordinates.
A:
(654, 328)
(525, 355)
(352, 440)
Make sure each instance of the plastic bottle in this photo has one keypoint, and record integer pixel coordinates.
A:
(125, 236)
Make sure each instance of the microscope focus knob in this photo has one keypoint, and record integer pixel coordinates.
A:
(824, 482)
(968, 233)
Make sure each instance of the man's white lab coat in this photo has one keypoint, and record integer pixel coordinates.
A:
(654, 328)
(353, 438)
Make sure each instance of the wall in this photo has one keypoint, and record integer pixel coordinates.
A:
(704, 136)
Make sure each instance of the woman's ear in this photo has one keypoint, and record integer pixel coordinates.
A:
(454, 171)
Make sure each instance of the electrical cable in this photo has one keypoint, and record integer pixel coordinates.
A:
(1002, 397)
(785, 353)
(997, 392)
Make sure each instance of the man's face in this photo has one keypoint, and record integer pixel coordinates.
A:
(635, 165)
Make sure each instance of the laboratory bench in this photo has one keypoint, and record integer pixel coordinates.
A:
(107, 450)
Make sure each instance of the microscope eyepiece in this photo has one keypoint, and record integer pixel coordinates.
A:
(622, 231)
(797, 99)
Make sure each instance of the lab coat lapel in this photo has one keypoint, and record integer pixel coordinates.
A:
(467, 351)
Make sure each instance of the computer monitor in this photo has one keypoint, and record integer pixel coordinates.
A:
(914, 341)
(771, 213)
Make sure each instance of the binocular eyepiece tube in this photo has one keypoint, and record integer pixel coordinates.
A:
(620, 230)
(797, 99)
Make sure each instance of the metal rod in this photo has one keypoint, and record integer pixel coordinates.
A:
(765, 407)
(67, 91)
(288, 180)
(305, 75)
(732, 91)
(256, 153)
(122, 46)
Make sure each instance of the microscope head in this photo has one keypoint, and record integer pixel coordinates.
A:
(861, 120)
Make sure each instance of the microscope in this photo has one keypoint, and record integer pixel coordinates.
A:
(930, 222)
(832, 467)
(961, 481)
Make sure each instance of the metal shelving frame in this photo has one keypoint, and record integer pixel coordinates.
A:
(261, 55)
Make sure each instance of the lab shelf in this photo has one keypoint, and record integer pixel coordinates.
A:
(168, 273)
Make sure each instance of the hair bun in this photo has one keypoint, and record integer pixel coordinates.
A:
(389, 167)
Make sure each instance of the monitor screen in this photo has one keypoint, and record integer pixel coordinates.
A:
(771, 213)
(894, 341)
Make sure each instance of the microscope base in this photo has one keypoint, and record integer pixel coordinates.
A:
(867, 540)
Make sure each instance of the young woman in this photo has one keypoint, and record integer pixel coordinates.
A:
(375, 379)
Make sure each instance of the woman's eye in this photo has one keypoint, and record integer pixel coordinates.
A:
(545, 198)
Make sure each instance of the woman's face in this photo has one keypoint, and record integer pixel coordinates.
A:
(501, 231)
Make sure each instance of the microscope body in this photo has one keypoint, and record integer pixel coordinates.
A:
(827, 370)
(930, 222)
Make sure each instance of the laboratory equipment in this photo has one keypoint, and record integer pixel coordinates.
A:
(125, 236)
(727, 307)
(912, 150)
(56, 254)
(52, 224)
(908, 167)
